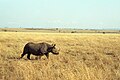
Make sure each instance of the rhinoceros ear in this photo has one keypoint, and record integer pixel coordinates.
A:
(53, 45)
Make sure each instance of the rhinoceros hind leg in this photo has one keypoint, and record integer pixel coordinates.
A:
(28, 56)
(22, 55)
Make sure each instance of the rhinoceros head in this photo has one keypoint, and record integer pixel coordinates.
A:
(54, 50)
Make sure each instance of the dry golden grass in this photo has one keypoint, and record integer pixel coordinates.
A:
(82, 57)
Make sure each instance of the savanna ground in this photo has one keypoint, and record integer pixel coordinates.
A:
(82, 56)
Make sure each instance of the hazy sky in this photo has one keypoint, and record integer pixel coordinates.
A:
(60, 13)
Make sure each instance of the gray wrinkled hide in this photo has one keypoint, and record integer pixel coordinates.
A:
(39, 49)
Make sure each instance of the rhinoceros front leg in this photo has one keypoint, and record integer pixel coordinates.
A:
(47, 55)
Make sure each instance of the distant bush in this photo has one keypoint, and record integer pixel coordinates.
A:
(59, 31)
(56, 28)
(73, 31)
(4, 30)
(103, 32)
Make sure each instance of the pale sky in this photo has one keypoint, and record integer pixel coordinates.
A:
(85, 14)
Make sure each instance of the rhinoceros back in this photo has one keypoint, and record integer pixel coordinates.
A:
(33, 48)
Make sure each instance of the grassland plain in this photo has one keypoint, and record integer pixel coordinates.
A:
(82, 57)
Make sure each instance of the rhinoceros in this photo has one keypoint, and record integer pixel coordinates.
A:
(39, 49)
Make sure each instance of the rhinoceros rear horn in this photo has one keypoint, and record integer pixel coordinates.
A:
(58, 49)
